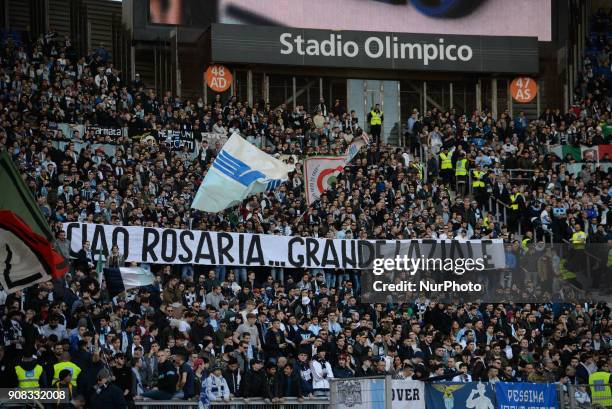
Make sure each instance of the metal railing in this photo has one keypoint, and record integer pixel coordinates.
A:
(240, 403)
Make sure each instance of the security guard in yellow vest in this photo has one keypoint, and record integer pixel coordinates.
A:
(579, 238)
(478, 184)
(601, 394)
(65, 363)
(419, 168)
(30, 375)
(461, 173)
(376, 118)
(514, 199)
(514, 217)
(446, 166)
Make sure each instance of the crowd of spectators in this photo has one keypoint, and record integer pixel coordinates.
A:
(215, 332)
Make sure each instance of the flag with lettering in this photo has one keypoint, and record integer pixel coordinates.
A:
(407, 394)
(526, 395)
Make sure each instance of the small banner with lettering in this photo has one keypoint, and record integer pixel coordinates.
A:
(407, 394)
(523, 395)
(176, 140)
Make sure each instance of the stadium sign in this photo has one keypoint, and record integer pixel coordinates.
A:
(365, 49)
(174, 246)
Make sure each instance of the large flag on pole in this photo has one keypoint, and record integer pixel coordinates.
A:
(27, 256)
(320, 173)
(239, 171)
(122, 279)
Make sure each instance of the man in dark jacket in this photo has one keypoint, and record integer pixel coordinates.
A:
(166, 380)
(365, 369)
(275, 341)
(255, 384)
(342, 370)
(123, 376)
(232, 376)
(288, 383)
(107, 395)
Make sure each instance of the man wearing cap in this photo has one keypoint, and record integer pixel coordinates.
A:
(232, 376)
(321, 373)
(30, 374)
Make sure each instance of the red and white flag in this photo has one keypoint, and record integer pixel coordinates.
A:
(320, 173)
(26, 258)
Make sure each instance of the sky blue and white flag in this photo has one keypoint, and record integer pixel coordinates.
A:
(122, 279)
(239, 171)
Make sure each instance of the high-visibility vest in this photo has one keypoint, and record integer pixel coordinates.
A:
(609, 264)
(477, 182)
(73, 368)
(514, 199)
(578, 239)
(446, 161)
(486, 223)
(565, 273)
(600, 390)
(420, 169)
(461, 169)
(375, 118)
(28, 379)
(526, 242)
